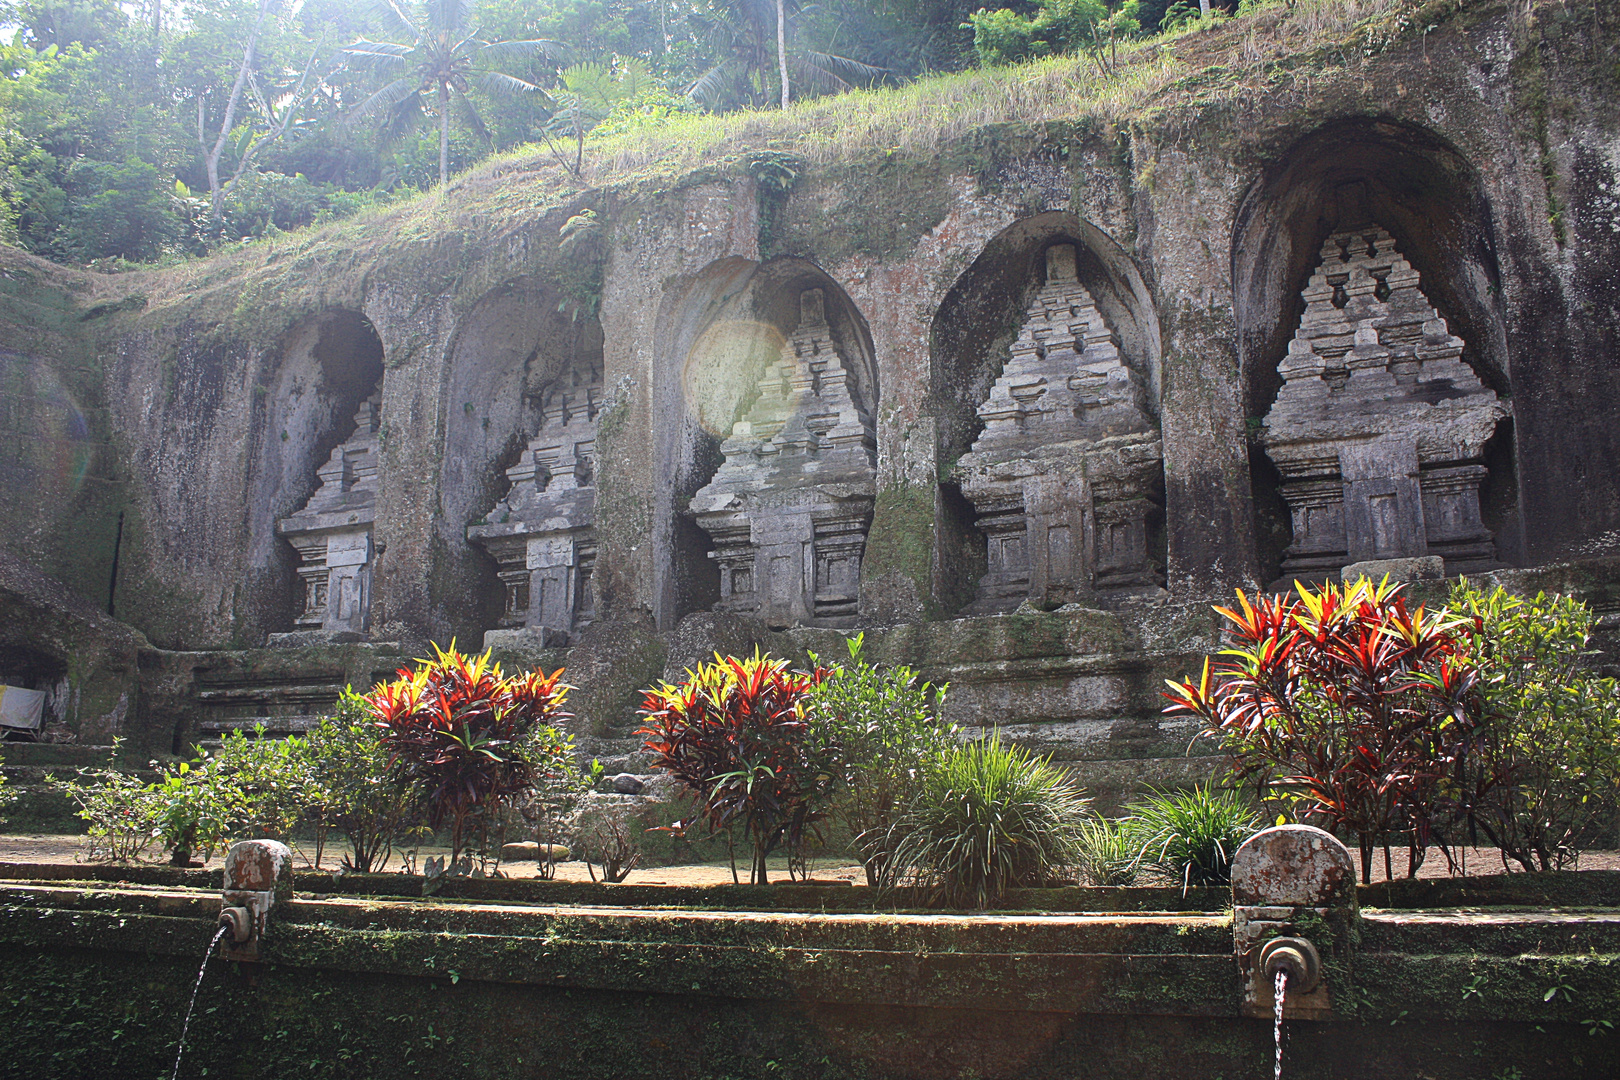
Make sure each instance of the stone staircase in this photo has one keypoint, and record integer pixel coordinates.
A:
(289, 705)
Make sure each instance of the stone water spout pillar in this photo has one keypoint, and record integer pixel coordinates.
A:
(543, 533)
(1380, 427)
(1293, 905)
(258, 876)
(1066, 478)
(790, 506)
(333, 534)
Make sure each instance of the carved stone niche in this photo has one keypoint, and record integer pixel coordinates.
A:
(789, 508)
(332, 534)
(1068, 474)
(543, 533)
(1380, 427)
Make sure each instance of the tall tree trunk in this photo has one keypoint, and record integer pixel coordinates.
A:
(212, 155)
(781, 47)
(1203, 8)
(444, 133)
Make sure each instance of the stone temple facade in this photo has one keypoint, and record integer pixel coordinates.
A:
(1380, 427)
(789, 508)
(542, 534)
(333, 534)
(1018, 406)
(1069, 468)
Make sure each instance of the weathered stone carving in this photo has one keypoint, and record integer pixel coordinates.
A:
(332, 533)
(542, 534)
(1380, 426)
(1066, 477)
(790, 506)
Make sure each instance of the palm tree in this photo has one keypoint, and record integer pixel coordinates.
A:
(441, 61)
(750, 38)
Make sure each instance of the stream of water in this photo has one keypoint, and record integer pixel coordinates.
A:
(198, 986)
(1279, 994)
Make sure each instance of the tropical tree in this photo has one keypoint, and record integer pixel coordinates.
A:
(589, 92)
(749, 41)
(436, 67)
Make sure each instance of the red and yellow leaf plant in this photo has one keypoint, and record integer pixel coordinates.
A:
(466, 739)
(734, 736)
(1344, 704)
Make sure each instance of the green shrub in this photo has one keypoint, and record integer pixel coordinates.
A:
(881, 726)
(1546, 771)
(1190, 836)
(988, 818)
(1109, 852)
(198, 808)
(120, 811)
(273, 781)
(7, 796)
(1059, 26)
(350, 788)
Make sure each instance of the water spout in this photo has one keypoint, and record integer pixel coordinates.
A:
(1279, 994)
(224, 927)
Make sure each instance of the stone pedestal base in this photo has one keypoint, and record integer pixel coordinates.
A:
(1422, 568)
(304, 639)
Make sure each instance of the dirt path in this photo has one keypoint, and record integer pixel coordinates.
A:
(68, 849)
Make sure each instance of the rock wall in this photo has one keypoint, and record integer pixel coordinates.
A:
(1486, 147)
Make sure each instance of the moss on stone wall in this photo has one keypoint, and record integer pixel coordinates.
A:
(900, 542)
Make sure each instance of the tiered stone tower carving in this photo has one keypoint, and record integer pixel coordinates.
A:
(332, 533)
(790, 506)
(1380, 426)
(1066, 476)
(543, 533)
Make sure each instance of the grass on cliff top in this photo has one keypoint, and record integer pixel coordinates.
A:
(1223, 59)
(923, 117)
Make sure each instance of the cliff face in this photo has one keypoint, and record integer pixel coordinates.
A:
(1196, 184)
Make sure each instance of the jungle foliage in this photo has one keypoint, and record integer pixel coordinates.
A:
(139, 131)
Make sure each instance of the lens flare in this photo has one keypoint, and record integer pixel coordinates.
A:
(723, 367)
(44, 424)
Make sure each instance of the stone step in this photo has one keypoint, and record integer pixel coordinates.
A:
(273, 725)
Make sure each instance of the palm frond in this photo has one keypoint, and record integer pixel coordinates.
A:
(390, 97)
(448, 16)
(391, 13)
(377, 55)
(709, 86)
(823, 71)
(498, 82)
(551, 50)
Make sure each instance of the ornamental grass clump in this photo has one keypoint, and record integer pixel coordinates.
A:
(1109, 853)
(466, 740)
(1190, 836)
(989, 817)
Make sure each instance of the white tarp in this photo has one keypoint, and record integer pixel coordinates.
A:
(20, 708)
